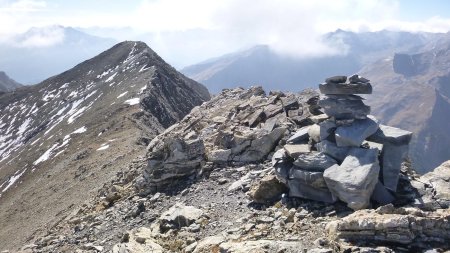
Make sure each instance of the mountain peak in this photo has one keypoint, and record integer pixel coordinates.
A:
(6, 83)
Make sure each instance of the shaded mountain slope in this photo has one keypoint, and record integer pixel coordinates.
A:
(65, 137)
(7, 84)
(415, 97)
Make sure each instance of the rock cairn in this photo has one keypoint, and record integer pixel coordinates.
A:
(347, 154)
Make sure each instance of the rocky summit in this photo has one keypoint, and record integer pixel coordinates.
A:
(62, 139)
(249, 171)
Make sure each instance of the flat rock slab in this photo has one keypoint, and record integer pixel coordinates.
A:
(294, 150)
(345, 88)
(393, 135)
(354, 134)
(355, 179)
(336, 79)
(331, 149)
(311, 178)
(314, 161)
(344, 109)
(397, 226)
(301, 190)
(392, 157)
(299, 136)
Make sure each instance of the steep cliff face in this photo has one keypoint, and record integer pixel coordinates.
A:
(412, 92)
(65, 137)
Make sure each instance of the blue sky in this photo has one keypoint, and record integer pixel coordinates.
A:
(198, 29)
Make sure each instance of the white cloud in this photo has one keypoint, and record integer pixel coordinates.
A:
(41, 37)
(188, 31)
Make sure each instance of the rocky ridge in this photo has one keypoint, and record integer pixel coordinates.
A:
(208, 184)
(60, 140)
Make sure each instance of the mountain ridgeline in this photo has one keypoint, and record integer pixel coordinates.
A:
(63, 138)
(7, 84)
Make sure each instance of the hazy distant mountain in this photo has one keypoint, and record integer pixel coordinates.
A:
(412, 91)
(43, 52)
(261, 65)
(6, 83)
(66, 136)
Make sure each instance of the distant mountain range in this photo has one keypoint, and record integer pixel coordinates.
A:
(7, 84)
(263, 66)
(410, 73)
(43, 52)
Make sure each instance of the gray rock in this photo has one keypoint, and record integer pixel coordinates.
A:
(327, 128)
(273, 109)
(282, 171)
(290, 103)
(261, 147)
(314, 161)
(407, 226)
(344, 109)
(358, 79)
(294, 150)
(270, 124)
(355, 179)
(356, 133)
(345, 97)
(299, 136)
(268, 190)
(311, 178)
(345, 88)
(301, 190)
(392, 157)
(439, 179)
(314, 132)
(336, 79)
(219, 155)
(393, 135)
(331, 149)
(318, 118)
(279, 156)
(382, 195)
(179, 216)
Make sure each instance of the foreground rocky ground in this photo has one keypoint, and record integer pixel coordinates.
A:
(204, 186)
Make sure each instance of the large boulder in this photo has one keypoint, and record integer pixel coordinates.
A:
(267, 190)
(331, 149)
(355, 179)
(314, 161)
(354, 134)
(173, 159)
(179, 216)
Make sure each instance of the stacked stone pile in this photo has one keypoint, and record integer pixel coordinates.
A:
(347, 155)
